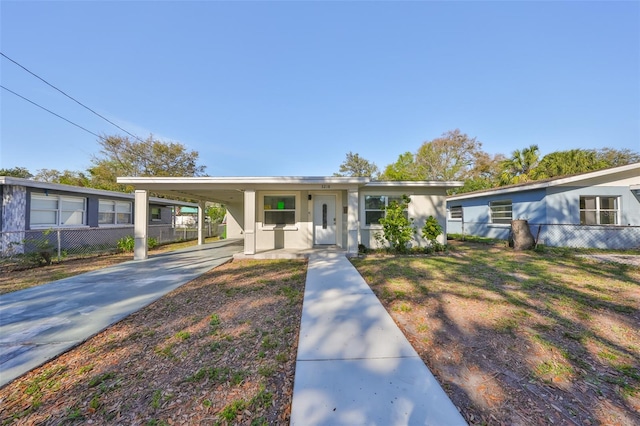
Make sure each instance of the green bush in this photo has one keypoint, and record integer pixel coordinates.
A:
(397, 229)
(127, 244)
(430, 231)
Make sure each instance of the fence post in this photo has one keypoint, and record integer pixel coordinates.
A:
(59, 244)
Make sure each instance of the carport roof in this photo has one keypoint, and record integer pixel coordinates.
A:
(229, 189)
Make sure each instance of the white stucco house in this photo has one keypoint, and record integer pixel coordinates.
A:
(295, 212)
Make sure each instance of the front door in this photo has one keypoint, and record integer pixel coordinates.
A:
(324, 219)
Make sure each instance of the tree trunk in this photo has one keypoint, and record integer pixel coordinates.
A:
(522, 236)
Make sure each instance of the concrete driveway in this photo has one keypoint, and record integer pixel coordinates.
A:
(40, 323)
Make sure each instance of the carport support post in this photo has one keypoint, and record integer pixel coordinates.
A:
(141, 224)
(201, 209)
(352, 222)
(249, 221)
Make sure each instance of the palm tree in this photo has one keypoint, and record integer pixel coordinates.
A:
(520, 166)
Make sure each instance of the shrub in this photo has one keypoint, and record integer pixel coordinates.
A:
(397, 228)
(127, 244)
(430, 231)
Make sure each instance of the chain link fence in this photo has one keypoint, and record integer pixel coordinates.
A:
(75, 242)
(560, 235)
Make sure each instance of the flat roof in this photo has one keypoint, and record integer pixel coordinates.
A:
(228, 189)
(9, 180)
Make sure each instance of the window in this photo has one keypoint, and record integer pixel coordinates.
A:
(156, 213)
(455, 212)
(57, 210)
(279, 210)
(374, 207)
(114, 212)
(501, 211)
(597, 210)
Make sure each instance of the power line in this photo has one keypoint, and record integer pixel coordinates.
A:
(68, 96)
(50, 112)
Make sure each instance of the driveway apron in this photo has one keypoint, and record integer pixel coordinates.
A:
(40, 323)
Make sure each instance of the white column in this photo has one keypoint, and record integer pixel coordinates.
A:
(352, 222)
(141, 225)
(201, 208)
(250, 221)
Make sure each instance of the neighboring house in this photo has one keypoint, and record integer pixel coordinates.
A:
(298, 212)
(85, 216)
(186, 217)
(598, 209)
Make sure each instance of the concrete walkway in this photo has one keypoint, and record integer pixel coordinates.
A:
(39, 323)
(354, 365)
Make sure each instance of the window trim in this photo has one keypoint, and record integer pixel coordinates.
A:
(59, 210)
(388, 197)
(155, 219)
(598, 210)
(492, 212)
(115, 212)
(263, 215)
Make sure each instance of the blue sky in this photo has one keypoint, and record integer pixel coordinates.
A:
(288, 88)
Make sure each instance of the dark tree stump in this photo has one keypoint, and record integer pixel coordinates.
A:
(522, 236)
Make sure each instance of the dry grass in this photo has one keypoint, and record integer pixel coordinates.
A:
(218, 350)
(520, 337)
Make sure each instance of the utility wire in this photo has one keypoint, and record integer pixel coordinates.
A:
(68, 96)
(50, 112)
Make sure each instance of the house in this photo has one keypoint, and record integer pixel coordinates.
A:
(598, 209)
(271, 213)
(80, 217)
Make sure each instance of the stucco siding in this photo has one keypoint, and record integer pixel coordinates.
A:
(235, 220)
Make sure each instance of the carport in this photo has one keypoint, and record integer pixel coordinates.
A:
(247, 212)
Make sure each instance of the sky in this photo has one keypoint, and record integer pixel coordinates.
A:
(288, 88)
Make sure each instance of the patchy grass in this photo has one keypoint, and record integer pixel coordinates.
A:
(538, 337)
(220, 349)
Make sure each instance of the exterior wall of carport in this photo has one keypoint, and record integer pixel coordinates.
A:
(424, 203)
(235, 220)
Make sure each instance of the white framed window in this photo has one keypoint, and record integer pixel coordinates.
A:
(57, 210)
(279, 210)
(112, 212)
(599, 210)
(374, 206)
(501, 211)
(455, 212)
(156, 213)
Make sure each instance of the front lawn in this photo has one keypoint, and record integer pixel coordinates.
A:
(520, 337)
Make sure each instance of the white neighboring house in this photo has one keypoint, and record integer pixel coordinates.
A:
(297, 212)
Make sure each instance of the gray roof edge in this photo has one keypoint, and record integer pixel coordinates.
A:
(244, 179)
(9, 180)
(530, 186)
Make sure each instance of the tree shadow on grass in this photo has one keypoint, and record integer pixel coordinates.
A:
(520, 338)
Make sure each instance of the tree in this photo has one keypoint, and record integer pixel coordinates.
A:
(121, 156)
(485, 173)
(19, 172)
(403, 169)
(618, 157)
(563, 163)
(356, 166)
(66, 177)
(449, 157)
(518, 168)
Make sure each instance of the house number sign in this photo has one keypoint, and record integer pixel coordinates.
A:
(326, 186)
